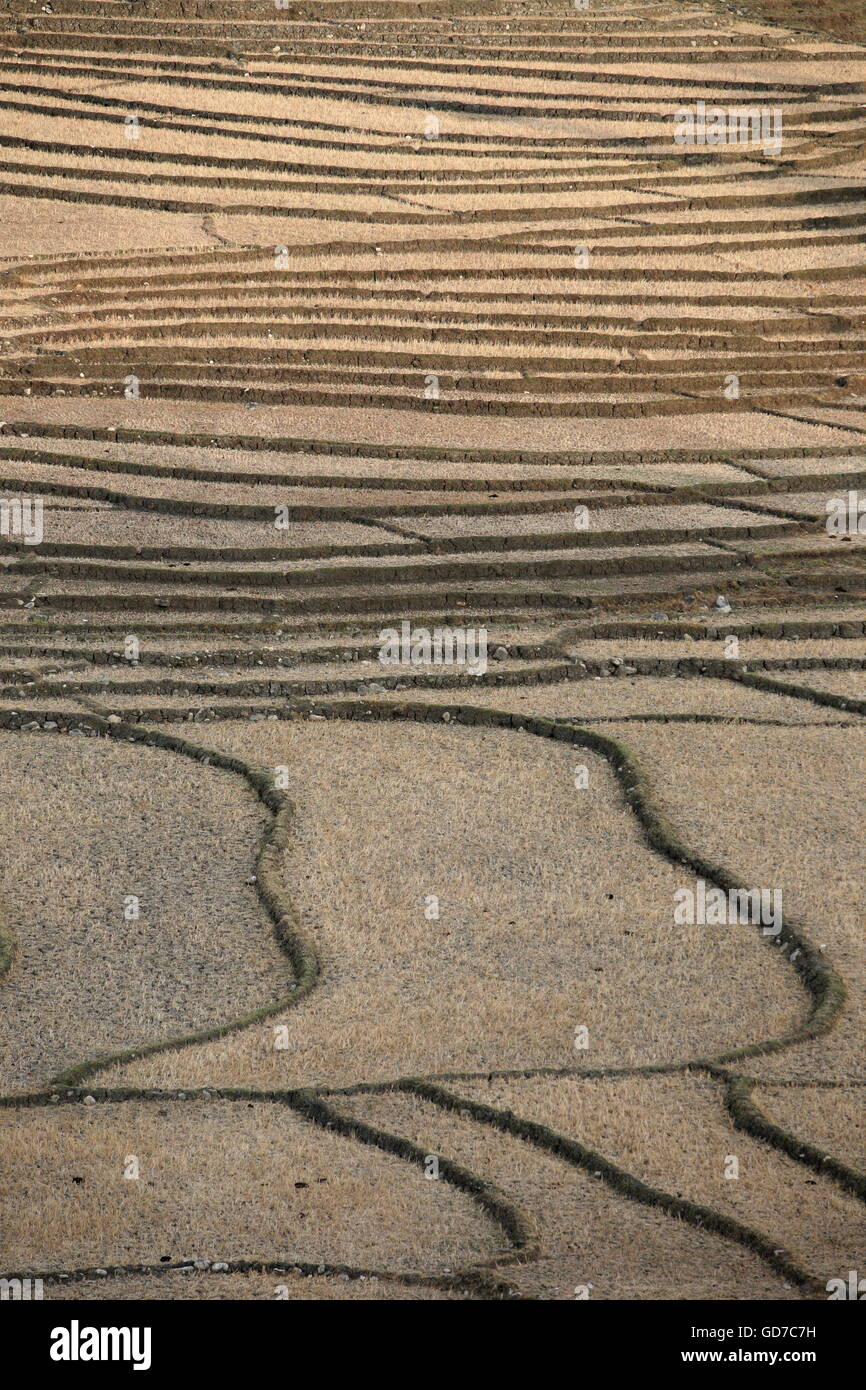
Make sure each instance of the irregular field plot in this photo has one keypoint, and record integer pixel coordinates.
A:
(833, 1118)
(728, 786)
(552, 913)
(90, 826)
(222, 1180)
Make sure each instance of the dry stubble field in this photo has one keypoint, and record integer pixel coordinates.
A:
(327, 979)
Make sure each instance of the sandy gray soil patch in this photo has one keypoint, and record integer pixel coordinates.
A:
(91, 825)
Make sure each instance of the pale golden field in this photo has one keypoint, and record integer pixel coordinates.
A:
(324, 978)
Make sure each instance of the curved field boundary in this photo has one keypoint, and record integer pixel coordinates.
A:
(702, 262)
(746, 1115)
(300, 696)
(299, 950)
(621, 1181)
(477, 1280)
(822, 983)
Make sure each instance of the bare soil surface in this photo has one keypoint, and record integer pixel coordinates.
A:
(523, 346)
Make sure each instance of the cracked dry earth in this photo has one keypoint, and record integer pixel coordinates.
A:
(365, 982)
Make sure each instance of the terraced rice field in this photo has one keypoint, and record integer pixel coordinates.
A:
(328, 978)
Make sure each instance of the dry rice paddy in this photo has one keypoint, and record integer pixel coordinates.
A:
(326, 978)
